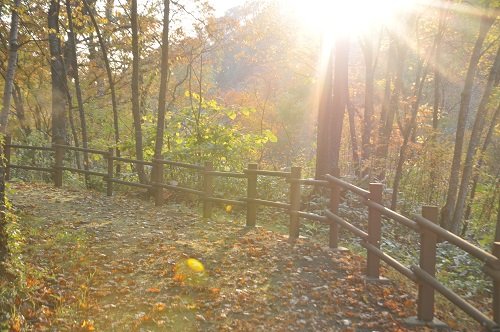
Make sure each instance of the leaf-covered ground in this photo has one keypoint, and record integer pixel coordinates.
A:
(119, 264)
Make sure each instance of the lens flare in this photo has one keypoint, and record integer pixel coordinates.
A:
(195, 265)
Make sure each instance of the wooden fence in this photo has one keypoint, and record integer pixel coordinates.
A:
(426, 224)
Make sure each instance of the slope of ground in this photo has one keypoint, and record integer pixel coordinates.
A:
(119, 263)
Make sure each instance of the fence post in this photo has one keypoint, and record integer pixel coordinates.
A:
(334, 207)
(374, 231)
(109, 183)
(294, 203)
(428, 240)
(496, 287)
(208, 189)
(157, 181)
(6, 151)
(251, 195)
(59, 157)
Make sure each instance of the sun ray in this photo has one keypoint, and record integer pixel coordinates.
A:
(346, 18)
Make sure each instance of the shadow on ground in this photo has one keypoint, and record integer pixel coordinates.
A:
(115, 263)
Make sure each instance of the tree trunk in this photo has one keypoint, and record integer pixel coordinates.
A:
(4, 116)
(20, 110)
(406, 136)
(323, 143)
(354, 139)
(437, 69)
(438, 98)
(391, 103)
(136, 108)
(58, 77)
(478, 167)
(417, 96)
(475, 138)
(497, 230)
(162, 98)
(448, 208)
(11, 68)
(74, 132)
(340, 93)
(367, 47)
(111, 81)
(78, 90)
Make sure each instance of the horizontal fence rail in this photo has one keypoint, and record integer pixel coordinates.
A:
(424, 275)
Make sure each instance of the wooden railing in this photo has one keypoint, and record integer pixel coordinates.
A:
(426, 224)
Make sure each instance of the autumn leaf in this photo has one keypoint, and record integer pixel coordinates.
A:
(153, 290)
(215, 291)
(179, 277)
(159, 306)
(87, 325)
(15, 326)
(409, 303)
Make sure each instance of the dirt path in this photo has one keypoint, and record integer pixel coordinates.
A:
(120, 264)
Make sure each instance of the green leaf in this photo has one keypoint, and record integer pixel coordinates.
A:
(271, 137)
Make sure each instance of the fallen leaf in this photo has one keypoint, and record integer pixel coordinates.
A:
(153, 290)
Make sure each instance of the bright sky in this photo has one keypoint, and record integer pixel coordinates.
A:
(222, 5)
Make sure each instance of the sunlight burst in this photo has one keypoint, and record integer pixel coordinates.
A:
(341, 18)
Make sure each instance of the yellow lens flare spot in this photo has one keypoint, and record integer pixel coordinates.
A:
(195, 265)
(189, 270)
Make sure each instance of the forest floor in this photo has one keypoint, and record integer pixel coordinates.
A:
(97, 263)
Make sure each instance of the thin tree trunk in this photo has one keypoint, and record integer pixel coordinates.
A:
(340, 92)
(110, 81)
(74, 132)
(497, 230)
(323, 143)
(20, 111)
(136, 108)
(391, 104)
(478, 167)
(438, 97)
(448, 208)
(78, 90)
(354, 139)
(58, 77)
(367, 47)
(406, 137)
(11, 68)
(475, 138)
(420, 82)
(391, 57)
(4, 116)
(437, 69)
(162, 98)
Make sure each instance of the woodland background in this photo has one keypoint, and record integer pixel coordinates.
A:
(171, 79)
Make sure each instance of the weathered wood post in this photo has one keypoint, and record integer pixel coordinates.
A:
(7, 150)
(428, 240)
(334, 208)
(374, 231)
(158, 181)
(294, 230)
(496, 285)
(59, 157)
(251, 195)
(208, 189)
(109, 177)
